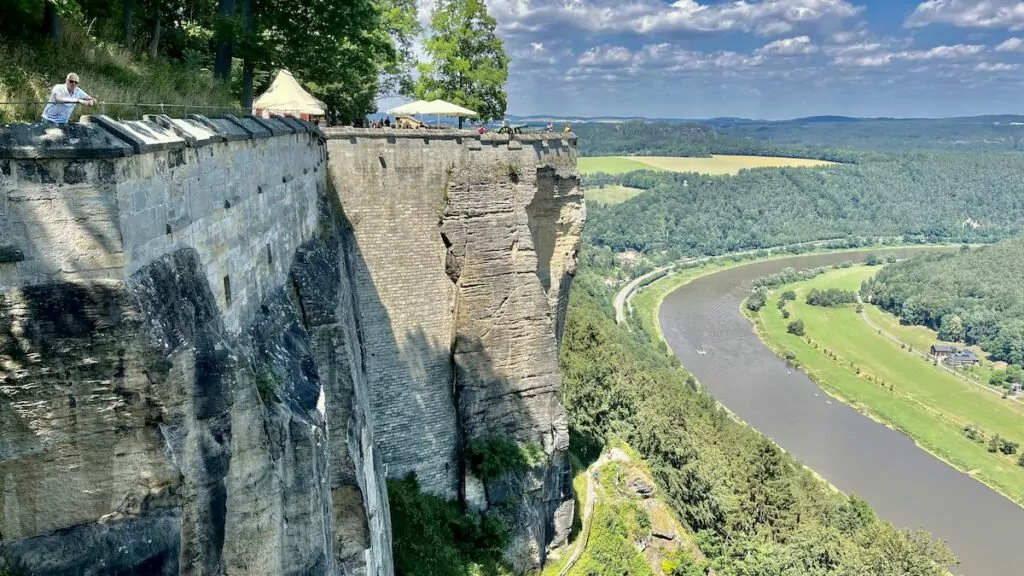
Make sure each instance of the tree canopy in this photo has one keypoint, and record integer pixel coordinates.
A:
(975, 296)
(345, 53)
(468, 65)
(922, 197)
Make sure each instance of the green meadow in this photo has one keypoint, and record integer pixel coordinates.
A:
(887, 381)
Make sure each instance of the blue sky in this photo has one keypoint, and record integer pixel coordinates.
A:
(762, 58)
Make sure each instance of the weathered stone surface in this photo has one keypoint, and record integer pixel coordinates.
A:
(208, 364)
(468, 245)
(68, 141)
(10, 253)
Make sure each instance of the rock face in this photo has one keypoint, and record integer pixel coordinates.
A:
(212, 354)
(470, 244)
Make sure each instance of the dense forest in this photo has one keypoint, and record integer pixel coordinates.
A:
(827, 138)
(971, 134)
(685, 139)
(975, 296)
(754, 509)
(923, 197)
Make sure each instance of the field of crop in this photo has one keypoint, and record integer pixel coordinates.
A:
(611, 164)
(611, 194)
(719, 164)
(892, 384)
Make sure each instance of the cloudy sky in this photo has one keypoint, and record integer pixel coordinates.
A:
(762, 58)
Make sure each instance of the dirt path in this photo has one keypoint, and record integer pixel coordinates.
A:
(588, 509)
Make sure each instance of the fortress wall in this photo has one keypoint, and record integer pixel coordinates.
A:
(115, 196)
(398, 189)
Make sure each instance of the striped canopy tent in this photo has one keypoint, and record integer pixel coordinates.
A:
(286, 97)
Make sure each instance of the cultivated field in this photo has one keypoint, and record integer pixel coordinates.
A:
(610, 165)
(611, 194)
(894, 385)
(719, 164)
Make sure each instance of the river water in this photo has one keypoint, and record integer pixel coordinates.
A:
(905, 484)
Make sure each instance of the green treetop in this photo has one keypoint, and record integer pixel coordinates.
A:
(468, 64)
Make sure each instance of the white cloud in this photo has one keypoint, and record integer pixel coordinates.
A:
(1002, 14)
(1011, 45)
(605, 55)
(847, 36)
(944, 52)
(858, 48)
(995, 67)
(788, 47)
(658, 59)
(955, 52)
(764, 17)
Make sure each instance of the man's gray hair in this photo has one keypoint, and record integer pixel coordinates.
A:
(72, 76)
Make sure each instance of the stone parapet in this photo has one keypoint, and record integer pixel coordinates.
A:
(427, 134)
(100, 199)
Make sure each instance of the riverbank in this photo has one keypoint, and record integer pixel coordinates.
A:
(889, 383)
(906, 485)
(646, 300)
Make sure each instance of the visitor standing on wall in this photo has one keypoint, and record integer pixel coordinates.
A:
(63, 98)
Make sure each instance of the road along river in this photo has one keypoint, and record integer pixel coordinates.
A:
(906, 485)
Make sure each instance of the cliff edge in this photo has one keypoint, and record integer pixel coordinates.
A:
(218, 337)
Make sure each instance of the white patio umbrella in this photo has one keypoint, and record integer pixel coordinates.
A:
(436, 107)
(442, 108)
(408, 109)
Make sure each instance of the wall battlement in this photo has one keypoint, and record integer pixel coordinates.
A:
(101, 199)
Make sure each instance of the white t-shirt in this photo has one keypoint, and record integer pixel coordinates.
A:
(59, 112)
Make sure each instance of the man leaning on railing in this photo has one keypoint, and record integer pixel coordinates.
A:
(62, 101)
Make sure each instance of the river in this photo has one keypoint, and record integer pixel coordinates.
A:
(905, 484)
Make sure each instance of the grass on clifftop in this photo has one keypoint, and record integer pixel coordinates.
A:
(851, 361)
(109, 73)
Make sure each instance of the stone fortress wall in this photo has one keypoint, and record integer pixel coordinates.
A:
(115, 196)
(467, 244)
(415, 281)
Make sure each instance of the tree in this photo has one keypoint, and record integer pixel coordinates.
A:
(796, 327)
(951, 328)
(789, 295)
(756, 300)
(468, 65)
(225, 27)
(871, 259)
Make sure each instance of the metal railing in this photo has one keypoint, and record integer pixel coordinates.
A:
(32, 110)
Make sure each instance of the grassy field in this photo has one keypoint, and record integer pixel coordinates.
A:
(610, 165)
(895, 386)
(611, 194)
(718, 164)
(921, 338)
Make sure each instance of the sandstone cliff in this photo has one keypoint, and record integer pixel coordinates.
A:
(213, 349)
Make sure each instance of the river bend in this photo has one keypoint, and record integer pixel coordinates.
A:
(905, 484)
